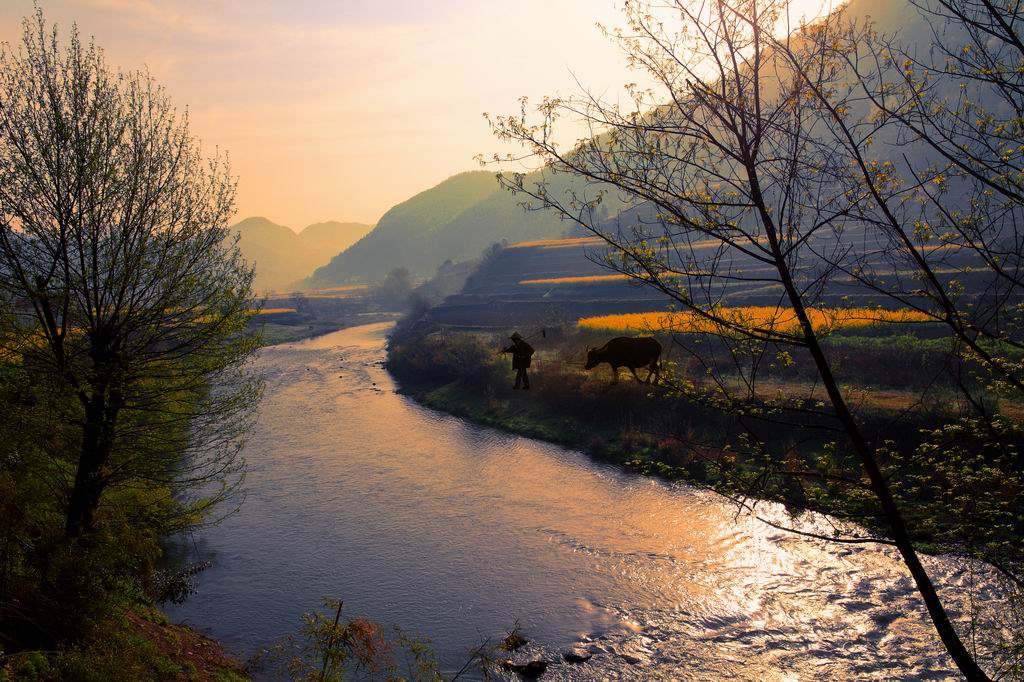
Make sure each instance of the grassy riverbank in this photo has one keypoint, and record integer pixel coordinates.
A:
(639, 425)
(132, 643)
(665, 431)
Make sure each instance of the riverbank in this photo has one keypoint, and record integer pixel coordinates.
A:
(180, 652)
(135, 642)
(644, 427)
(697, 432)
(277, 328)
(516, 413)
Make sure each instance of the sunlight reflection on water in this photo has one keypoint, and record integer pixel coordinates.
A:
(455, 531)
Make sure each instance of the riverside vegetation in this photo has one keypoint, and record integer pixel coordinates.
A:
(127, 326)
(892, 371)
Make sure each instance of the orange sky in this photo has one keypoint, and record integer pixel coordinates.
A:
(338, 109)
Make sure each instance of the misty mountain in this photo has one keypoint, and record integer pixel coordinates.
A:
(454, 220)
(282, 257)
(459, 218)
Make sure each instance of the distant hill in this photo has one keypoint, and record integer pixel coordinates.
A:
(282, 257)
(558, 281)
(326, 240)
(455, 220)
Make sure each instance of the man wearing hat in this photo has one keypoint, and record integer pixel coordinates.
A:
(521, 352)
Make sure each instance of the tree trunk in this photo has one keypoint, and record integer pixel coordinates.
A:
(85, 495)
(897, 526)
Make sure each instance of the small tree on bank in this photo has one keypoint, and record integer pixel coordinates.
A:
(114, 255)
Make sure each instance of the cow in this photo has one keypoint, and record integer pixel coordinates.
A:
(630, 352)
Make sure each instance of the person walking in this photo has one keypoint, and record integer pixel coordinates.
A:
(521, 353)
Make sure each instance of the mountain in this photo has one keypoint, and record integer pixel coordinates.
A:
(554, 282)
(325, 240)
(459, 218)
(454, 220)
(282, 257)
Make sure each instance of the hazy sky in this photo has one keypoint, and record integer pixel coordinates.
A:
(338, 109)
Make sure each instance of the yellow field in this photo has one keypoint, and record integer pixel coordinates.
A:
(558, 243)
(760, 317)
(575, 280)
(347, 287)
(598, 241)
(329, 292)
(271, 311)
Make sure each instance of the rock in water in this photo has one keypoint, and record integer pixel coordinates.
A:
(534, 669)
(529, 671)
(576, 654)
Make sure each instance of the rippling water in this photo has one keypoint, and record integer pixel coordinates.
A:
(455, 531)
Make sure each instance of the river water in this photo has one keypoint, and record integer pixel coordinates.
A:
(456, 531)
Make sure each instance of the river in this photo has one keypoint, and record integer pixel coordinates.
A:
(455, 531)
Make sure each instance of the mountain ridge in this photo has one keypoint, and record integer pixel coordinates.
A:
(282, 256)
(455, 220)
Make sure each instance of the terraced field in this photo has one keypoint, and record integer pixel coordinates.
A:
(548, 282)
(557, 282)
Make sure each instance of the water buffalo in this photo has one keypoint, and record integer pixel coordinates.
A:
(625, 351)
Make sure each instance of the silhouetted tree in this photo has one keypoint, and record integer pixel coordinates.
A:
(112, 243)
(735, 152)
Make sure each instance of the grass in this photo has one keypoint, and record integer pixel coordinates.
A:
(762, 317)
(136, 643)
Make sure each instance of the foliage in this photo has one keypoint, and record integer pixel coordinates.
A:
(134, 642)
(54, 591)
(177, 586)
(395, 290)
(121, 287)
(124, 381)
(332, 650)
(514, 639)
(440, 357)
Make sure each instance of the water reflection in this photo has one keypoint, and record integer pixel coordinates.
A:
(456, 531)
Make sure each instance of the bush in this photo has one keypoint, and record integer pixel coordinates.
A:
(441, 358)
(333, 649)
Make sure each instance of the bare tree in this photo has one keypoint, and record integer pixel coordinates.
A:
(115, 255)
(731, 164)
